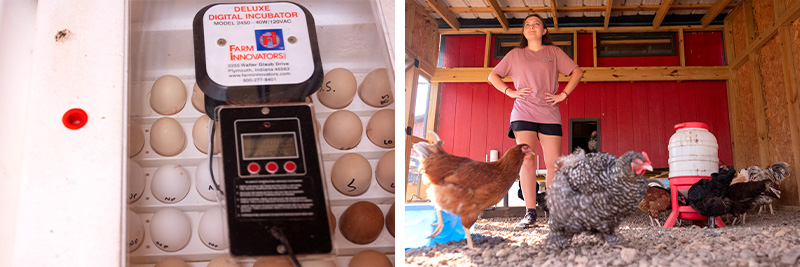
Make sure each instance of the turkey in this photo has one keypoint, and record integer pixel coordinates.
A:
(592, 193)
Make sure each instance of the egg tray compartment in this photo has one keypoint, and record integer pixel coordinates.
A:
(193, 201)
(339, 261)
(140, 103)
(195, 250)
(375, 194)
(384, 244)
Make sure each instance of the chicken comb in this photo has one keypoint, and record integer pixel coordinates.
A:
(646, 157)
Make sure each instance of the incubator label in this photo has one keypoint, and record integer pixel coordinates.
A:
(257, 44)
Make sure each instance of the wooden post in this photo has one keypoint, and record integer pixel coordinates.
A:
(433, 107)
(487, 53)
(759, 104)
(575, 46)
(681, 48)
(732, 85)
(412, 75)
(594, 48)
(792, 99)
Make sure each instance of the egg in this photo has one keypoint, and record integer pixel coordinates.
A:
(342, 130)
(170, 229)
(224, 261)
(370, 258)
(380, 128)
(167, 137)
(168, 95)
(136, 181)
(384, 172)
(361, 223)
(135, 231)
(135, 139)
(172, 262)
(351, 174)
(273, 261)
(390, 220)
(170, 183)
(212, 230)
(200, 136)
(198, 99)
(204, 184)
(376, 90)
(338, 88)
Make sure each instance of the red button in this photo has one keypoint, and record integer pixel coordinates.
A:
(289, 166)
(272, 167)
(253, 168)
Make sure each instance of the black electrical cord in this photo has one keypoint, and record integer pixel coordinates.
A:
(211, 156)
(278, 234)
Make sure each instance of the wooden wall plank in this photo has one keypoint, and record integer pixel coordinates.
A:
(738, 29)
(608, 107)
(764, 16)
(624, 98)
(759, 106)
(447, 115)
(639, 114)
(748, 142)
(496, 130)
(672, 109)
(658, 139)
(463, 117)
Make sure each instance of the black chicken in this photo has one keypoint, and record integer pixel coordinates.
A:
(743, 196)
(592, 193)
(707, 196)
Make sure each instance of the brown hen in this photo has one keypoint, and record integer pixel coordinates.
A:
(656, 200)
(466, 187)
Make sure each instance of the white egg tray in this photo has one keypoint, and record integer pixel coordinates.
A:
(161, 44)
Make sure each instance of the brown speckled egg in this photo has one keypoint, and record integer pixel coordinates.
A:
(342, 130)
(370, 258)
(361, 223)
(390, 220)
(380, 129)
(338, 88)
(376, 89)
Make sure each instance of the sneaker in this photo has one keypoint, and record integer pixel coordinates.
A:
(528, 220)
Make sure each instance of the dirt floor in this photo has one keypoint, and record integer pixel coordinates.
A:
(764, 240)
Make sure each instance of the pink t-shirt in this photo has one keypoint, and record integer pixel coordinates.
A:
(539, 71)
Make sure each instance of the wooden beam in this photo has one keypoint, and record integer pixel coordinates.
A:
(790, 15)
(661, 13)
(759, 110)
(575, 46)
(441, 9)
(411, 76)
(607, 14)
(594, 48)
(542, 9)
(426, 67)
(515, 30)
(681, 50)
(733, 102)
(498, 13)
(600, 74)
(792, 99)
(554, 10)
(487, 53)
(714, 11)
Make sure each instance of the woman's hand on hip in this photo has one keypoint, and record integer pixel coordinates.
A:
(554, 99)
(521, 93)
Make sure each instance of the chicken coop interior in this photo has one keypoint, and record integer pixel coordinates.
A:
(648, 65)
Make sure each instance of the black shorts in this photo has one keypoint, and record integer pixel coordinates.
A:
(543, 128)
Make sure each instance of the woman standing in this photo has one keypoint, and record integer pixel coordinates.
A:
(534, 66)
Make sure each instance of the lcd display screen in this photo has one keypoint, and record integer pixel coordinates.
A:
(268, 146)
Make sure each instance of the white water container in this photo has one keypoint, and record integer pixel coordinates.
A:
(692, 151)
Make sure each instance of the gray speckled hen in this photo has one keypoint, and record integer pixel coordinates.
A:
(592, 193)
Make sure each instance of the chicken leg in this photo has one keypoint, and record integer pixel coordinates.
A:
(439, 224)
(469, 238)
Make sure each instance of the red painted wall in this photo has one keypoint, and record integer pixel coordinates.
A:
(473, 117)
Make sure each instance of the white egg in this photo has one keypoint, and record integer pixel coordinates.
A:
(200, 136)
(135, 231)
(136, 181)
(224, 261)
(203, 182)
(170, 183)
(167, 137)
(212, 229)
(342, 130)
(338, 88)
(376, 89)
(351, 174)
(384, 171)
(172, 262)
(198, 99)
(380, 128)
(168, 95)
(170, 229)
(136, 138)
